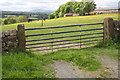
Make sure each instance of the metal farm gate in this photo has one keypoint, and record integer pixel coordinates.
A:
(63, 37)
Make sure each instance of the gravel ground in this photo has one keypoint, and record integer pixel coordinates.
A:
(109, 69)
(66, 70)
(110, 65)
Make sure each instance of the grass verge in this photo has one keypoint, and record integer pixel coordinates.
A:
(24, 65)
(27, 65)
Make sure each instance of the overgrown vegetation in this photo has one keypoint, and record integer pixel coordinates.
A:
(113, 42)
(19, 64)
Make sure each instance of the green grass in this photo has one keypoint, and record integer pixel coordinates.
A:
(0, 66)
(27, 65)
(24, 65)
(62, 22)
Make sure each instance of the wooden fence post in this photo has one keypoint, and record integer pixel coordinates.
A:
(108, 28)
(21, 37)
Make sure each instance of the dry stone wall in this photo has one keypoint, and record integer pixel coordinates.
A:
(9, 40)
(117, 30)
(117, 27)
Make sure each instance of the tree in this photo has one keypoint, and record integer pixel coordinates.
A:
(76, 7)
(22, 18)
(63, 9)
(51, 16)
(89, 6)
(10, 20)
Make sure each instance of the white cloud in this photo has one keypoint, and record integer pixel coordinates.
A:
(119, 4)
(107, 4)
(26, 5)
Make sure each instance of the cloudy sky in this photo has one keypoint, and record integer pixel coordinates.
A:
(26, 5)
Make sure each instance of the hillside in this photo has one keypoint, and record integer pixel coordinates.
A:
(29, 13)
(63, 21)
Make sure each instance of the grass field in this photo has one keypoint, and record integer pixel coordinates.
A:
(27, 65)
(62, 22)
(19, 64)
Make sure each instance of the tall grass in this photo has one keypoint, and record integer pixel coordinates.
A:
(24, 65)
(27, 65)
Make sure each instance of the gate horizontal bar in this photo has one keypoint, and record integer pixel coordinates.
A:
(63, 26)
(64, 37)
(63, 47)
(63, 40)
(63, 32)
(65, 43)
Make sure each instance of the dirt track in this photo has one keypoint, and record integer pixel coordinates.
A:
(66, 70)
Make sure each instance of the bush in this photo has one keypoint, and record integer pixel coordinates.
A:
(22, 18)
(111, 43)
(51, 16)
(10, 20)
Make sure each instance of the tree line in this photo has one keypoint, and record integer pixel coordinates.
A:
(73, 6)
(10, 17)
(14, 19)
(23, 13)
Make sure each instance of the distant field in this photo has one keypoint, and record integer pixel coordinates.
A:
(63, 22)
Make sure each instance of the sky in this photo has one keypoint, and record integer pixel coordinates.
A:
(27, 5)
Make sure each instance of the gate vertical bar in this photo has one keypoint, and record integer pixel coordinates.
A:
(21, 37)
(52, 41)
(80, 37)
(42, 22)
(52, 44)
